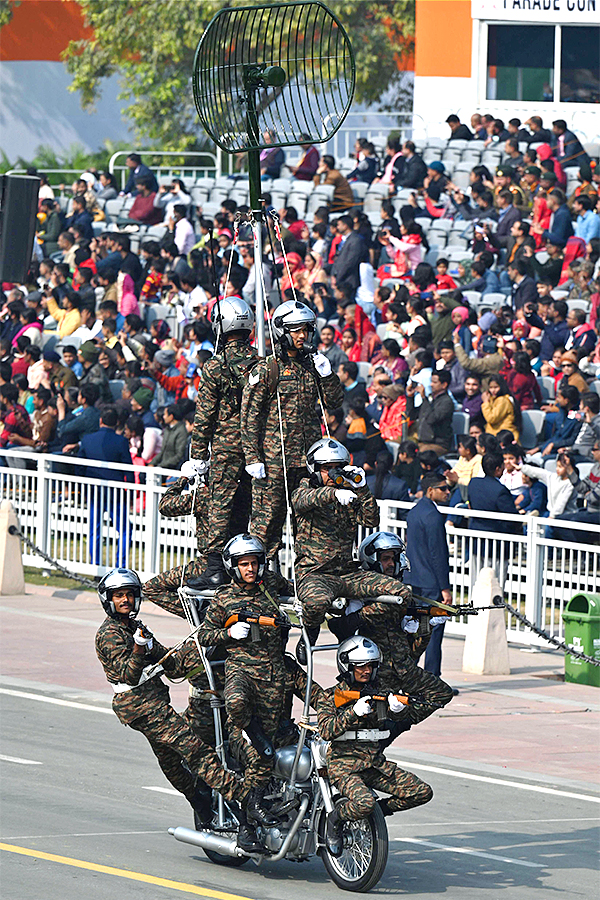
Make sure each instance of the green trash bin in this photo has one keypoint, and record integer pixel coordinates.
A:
(582, 633)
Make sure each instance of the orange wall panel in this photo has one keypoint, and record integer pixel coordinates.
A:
(443, 38)
(41, 30)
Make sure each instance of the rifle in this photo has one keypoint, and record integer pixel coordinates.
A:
(445, 609)
(340, 697)
(256, 622)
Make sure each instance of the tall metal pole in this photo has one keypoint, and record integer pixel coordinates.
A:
(255, 206)
(251, 84)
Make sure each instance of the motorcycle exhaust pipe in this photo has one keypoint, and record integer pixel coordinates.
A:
(223, 845)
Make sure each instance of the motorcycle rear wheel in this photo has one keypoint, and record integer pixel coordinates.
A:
(364, 857)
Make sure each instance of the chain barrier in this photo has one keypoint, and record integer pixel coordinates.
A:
(556, 642)
(547, 637)
(55, 565)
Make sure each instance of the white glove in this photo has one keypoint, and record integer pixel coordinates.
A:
(394, 704)
(438, 620)
(141, 640)
(357, 471)
(410, 625)
(362, 707)
(322, 364)
(257, 470)
(188, 470)
(239, 631)
(345, 498)
(201, 466)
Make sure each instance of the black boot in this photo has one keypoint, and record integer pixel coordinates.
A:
(334, 834)
(201, 803)
(213, 576)
(313, 637)
(247, 840)
(256, 812)
(258, 739)
(384, 806)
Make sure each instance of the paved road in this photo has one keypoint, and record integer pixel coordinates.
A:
(85, 813)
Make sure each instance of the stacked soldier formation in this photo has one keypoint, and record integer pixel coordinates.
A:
(259, 421)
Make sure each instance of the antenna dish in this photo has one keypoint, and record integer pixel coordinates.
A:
(273, 76)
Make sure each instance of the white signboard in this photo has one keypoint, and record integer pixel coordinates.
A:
(542, 12)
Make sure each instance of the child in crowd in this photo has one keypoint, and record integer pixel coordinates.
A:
(444, 281)
(407, 465)
(69, 354)
(512, 477)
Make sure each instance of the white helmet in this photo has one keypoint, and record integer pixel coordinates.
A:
(357, 651)
(374, 544)
(326, 452)
(117, 580)
(291, 315)
(243, 545)
(232, 314)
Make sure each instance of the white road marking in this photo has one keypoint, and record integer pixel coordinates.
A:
(538, 789)
(454, 773)
(22, 762)
(490, 822)
(161, 790)
(31, 837)
(54, 700)
(505, 859)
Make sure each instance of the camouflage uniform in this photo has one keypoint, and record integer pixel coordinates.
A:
(325, 536)
(398, 672)
(298, 385)
(255, 675)
(296, 682)
(162, 590)
(356, 767)
(176, 501)
(217, 423)
(146, 708)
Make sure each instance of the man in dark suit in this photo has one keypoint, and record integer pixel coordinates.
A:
(427, 549)
(523, 287)
(508, 214)
(415, 169)
(105, 444)
(350, 253)
(567, 146)
(136, 170)
(81, 217)
(561, 224)
(490, 495)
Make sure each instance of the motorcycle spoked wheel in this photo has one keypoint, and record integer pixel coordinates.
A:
(365, 854)
(234, 862)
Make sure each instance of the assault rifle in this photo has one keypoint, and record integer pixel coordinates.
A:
(341, 697)
(256, 622)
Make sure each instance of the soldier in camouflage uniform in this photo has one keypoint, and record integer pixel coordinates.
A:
(355, 763)
(255, 674)
(126, 649)
(327, 517)
(295, 381)
(217, 423)
(393, 631)
(296, 682)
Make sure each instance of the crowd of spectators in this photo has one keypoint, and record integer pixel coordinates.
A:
(513, 328)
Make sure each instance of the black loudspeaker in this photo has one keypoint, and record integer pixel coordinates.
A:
(18, 208)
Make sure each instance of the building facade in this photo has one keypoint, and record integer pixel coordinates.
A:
(508, 58)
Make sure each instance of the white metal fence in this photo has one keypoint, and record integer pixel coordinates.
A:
(72, 516)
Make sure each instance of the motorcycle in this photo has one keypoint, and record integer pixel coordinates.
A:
(300, 796)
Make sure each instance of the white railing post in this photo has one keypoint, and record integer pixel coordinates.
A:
(152, 563)
(534, 601)
(41, 533)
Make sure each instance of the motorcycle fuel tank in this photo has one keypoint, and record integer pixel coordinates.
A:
(284, 762)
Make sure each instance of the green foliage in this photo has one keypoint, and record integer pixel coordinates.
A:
(76, 157)
(6, 10)
(151, 45)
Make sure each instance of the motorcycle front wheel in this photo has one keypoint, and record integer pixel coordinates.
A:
(364, 857)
